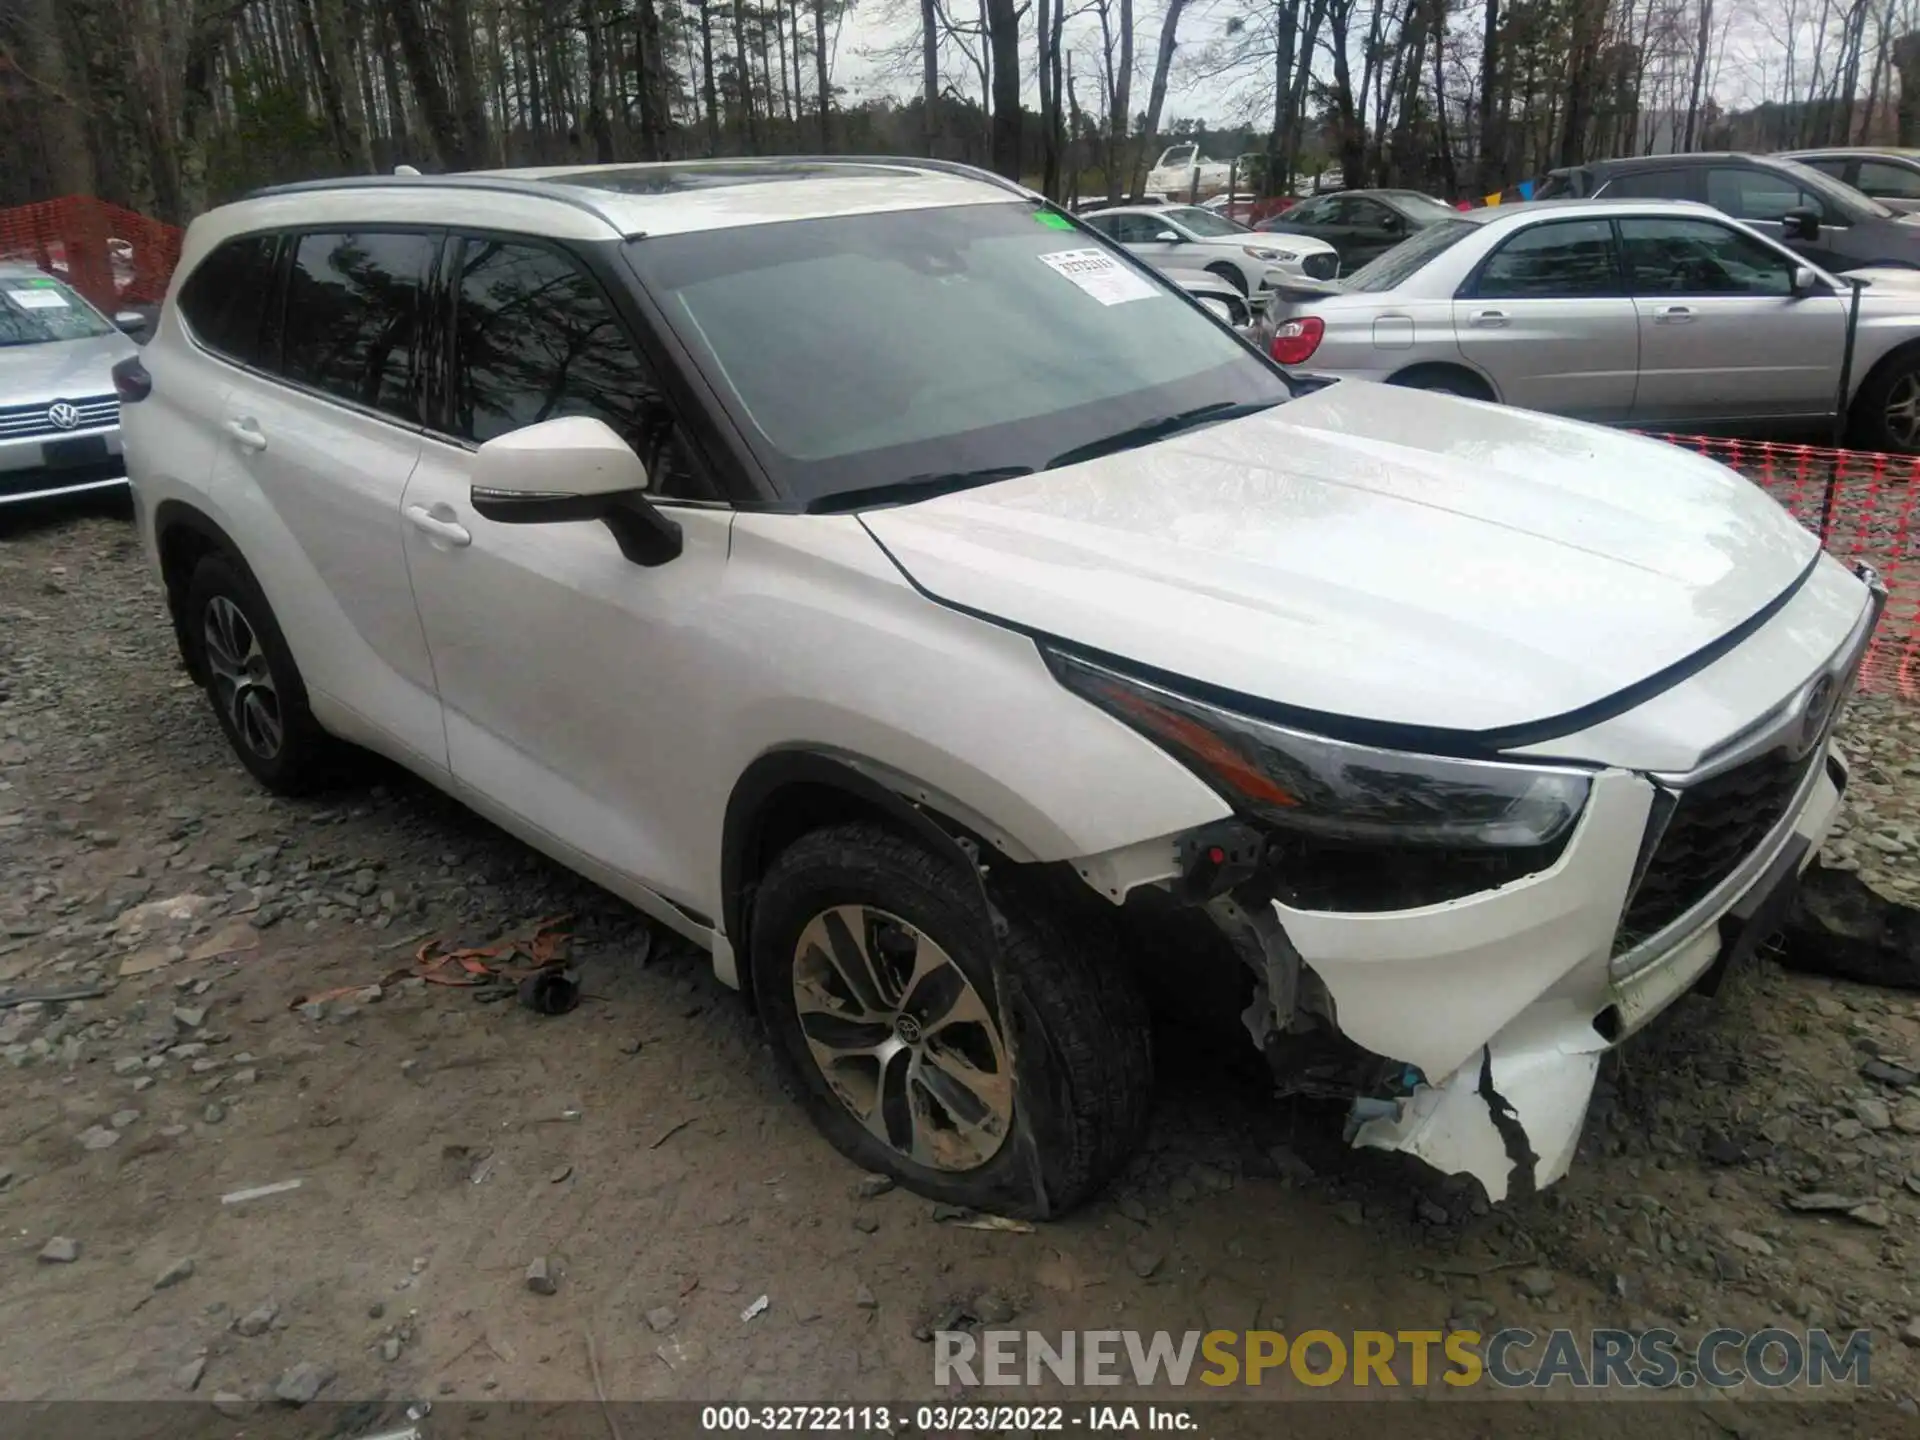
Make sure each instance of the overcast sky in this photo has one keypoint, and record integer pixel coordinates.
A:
(1749, 59)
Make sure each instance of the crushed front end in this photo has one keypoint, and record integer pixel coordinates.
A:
(1453, 943)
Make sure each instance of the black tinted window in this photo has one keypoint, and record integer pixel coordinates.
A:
(353, 317)
(227, 295)
(535, 340)
(1566, 259)
(1650, 185)
(1887, 179)
(1698, 257)
(1755, 194)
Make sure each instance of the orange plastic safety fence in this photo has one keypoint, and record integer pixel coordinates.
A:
(1861, 505)
(111, 255)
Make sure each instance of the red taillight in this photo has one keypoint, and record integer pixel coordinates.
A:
(1294, 341)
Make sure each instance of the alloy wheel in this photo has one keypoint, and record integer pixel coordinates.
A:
(242, 680)
(1903, 411)
(903, 1038)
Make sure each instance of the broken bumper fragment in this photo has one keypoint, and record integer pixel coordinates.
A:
(1503, 1003)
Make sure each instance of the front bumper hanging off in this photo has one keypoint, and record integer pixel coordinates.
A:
(1501, 1005)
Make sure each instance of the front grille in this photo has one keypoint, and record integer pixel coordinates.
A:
(1322, 266)
(23, 422)
(1712, 828)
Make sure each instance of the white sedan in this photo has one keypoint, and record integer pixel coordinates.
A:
(1187, 237)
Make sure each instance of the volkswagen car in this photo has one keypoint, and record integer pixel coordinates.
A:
(59, 416)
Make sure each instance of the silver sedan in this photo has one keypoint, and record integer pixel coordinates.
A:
(1660, 314)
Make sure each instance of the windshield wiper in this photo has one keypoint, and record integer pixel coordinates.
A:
(916, 487)
(1147, 433)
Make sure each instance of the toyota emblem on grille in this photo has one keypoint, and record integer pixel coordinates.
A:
(1819, 702)
(63, 415)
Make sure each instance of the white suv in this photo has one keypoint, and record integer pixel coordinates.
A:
(878, 578)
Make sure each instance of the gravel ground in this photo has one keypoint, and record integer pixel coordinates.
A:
(638, 1153)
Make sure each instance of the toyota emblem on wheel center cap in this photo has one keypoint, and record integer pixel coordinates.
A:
(63, 415)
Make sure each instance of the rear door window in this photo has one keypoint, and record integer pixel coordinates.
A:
(1650, 185)
(227, 299)
(353, 317)
(1886, 180)
(1565, 259)
(1755, 194)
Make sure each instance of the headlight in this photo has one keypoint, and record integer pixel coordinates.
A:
(1262, 252)
(1450, 826)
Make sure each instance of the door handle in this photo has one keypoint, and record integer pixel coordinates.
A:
(451, 531)
(246, 433)
(1488, 319)
(1672, 315)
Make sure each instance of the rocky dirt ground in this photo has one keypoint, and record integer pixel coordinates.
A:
(641, 1148)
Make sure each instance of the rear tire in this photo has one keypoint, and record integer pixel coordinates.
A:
(966, 1075)
(258, 696)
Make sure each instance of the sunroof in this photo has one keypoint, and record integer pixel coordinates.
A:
(678, 179)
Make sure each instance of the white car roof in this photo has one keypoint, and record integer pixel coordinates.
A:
(594, 202)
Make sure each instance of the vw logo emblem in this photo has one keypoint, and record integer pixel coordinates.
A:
(1819, 701)
(63, 415)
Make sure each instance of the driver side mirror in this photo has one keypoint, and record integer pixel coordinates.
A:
(1806, 280)
(130, 322)
(573, 468)
(1168, 237)
(1800, 223)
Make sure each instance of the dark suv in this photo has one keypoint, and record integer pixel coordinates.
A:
(1832, 224)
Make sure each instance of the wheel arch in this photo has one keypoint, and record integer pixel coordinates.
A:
(1906, 352)
(182, 536)
(784, 794)
(1479, 381)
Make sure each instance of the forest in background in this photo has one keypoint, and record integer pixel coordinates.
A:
(167, 106)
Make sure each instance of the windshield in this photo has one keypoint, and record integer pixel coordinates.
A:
(1848, 200)
(1392, 269)
(860, 351)
(37, 308)
(1203, 222)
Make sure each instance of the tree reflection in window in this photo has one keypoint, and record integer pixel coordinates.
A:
(534, 340)
(353, 318)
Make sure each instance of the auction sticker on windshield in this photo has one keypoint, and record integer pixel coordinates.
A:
(38, 299)
(1100, 275)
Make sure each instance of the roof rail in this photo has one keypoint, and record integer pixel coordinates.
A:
(578, 198)
(918, 162)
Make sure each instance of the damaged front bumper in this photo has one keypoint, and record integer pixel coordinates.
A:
(1506, 1004)
(1497, 1008)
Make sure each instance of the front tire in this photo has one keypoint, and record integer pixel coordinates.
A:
(258, 696)
(1231, 275)
(873, 965)
(1886, 412)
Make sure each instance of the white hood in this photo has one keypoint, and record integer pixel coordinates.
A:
(1373, 552)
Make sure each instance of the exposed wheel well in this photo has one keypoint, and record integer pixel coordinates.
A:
(1433, 374)
(788, 793)
(183, 536)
